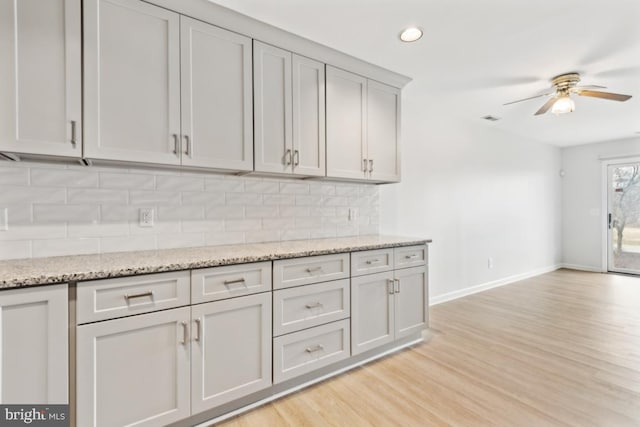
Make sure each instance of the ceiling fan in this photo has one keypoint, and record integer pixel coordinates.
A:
(566, 85)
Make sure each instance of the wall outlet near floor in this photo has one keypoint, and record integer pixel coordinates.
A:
(4, 219)
(353, 214)
(490, 263)
(146, 217)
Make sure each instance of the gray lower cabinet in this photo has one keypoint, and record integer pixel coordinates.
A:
(134, 370)
(231, 350)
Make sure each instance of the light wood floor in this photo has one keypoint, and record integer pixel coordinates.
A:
(562, 349)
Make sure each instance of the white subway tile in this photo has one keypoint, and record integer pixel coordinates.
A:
(347, 230)
(179, 183)
(336, 201)
(180, 240)
(14, 176)
(278, 199)
(202, 198)
(168, 213)
(242, 225)
(202, 226)
(322, 233)
(346, 190)
(15, 249)
(308, 222)
(224, 238)
(295, 234)
(261, 211)
(223, 212)
(324, 211)
(98, 230)
(60, 247)
(64, 177)
(368, 229)
(127, 180)
(158, 228)
(127, 243)
(264, 187)
(308, 200)
(17, 214)
(243, 199)
(294, 188)
(154, 197)
(119, 213)
(24, 195)
(290, 211)
(323, 189)
(277, 223)
(335, 220)
(220, 185)
(34, 231)
(262, 236)
(65, 213)
(98, 196)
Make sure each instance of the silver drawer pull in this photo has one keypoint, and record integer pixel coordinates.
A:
(373, 261)
(391, 286)
(197, 337)
(411, 256)
(184, 333)
(314, 269)
(314, 305)
(143, 294)
(396, 287)
(231, 282)
(315, 348)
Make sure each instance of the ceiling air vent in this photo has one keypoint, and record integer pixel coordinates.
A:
(491, 118)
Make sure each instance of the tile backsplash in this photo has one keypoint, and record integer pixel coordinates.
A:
(67, 210)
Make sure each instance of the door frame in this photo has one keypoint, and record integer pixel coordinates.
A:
(607, 163)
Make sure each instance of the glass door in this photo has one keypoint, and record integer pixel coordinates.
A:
(624, 218)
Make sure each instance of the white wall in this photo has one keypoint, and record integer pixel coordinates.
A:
(69, 210)
(478, 193)
(582, 222)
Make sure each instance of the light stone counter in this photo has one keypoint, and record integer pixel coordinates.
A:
(40, 271)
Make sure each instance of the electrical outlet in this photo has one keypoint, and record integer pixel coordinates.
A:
(146, 217)
(4, 219)
(490, 263)
(353, 214)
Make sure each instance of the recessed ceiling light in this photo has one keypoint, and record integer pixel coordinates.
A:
(411, 34)
(491, 118)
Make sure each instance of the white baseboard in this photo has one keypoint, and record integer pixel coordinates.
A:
(582, 268)
(493, 284)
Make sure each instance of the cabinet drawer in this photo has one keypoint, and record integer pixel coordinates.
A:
(410, 256)
(312, 305)
(211, 284)
(368, 262)
(111, 298)
(301, 352)
(302, 271)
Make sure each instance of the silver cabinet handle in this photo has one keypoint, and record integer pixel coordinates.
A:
(314, 305)
(184, 333)
(364, 165)
(74, 136)
(296, 158)
(314, 348)
(176, 143)
(370, 165)
(373, 261)
(197, 337)
(314, 269)
(140, 295)
(232, 282)
(187, 145)
(391, 286)
(396, 287)
(411, 256)
(287, 157)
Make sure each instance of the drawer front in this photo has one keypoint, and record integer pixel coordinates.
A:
(314, 269)
(301, 352)
(369, 262)
(125, 296)
(312, 305)
(410, 256)
(211, 284)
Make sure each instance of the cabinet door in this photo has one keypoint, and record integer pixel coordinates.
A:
(346, 124)
(412, 301)
(383, 131)
(134, 371)
(372, 318)
(34, 359)
(217, 116)
(132, 82)
(272, 108)
(308, 117)
(40, 105)
(231, 354)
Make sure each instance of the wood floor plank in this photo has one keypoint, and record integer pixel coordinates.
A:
(561, 349)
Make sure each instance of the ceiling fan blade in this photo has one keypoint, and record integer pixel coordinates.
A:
(604, 95)
(545, 107)
(577, 88)
(531, 97)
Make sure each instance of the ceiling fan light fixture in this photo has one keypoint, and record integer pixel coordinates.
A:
(411, 34)
(564, 104)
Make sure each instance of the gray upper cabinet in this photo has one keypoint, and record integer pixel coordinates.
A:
(132, 82)
(289, 112)
(363, 128)
(217, 119)
(40, 77)
(165, 89)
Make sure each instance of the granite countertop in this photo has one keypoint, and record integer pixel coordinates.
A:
(40, 271)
